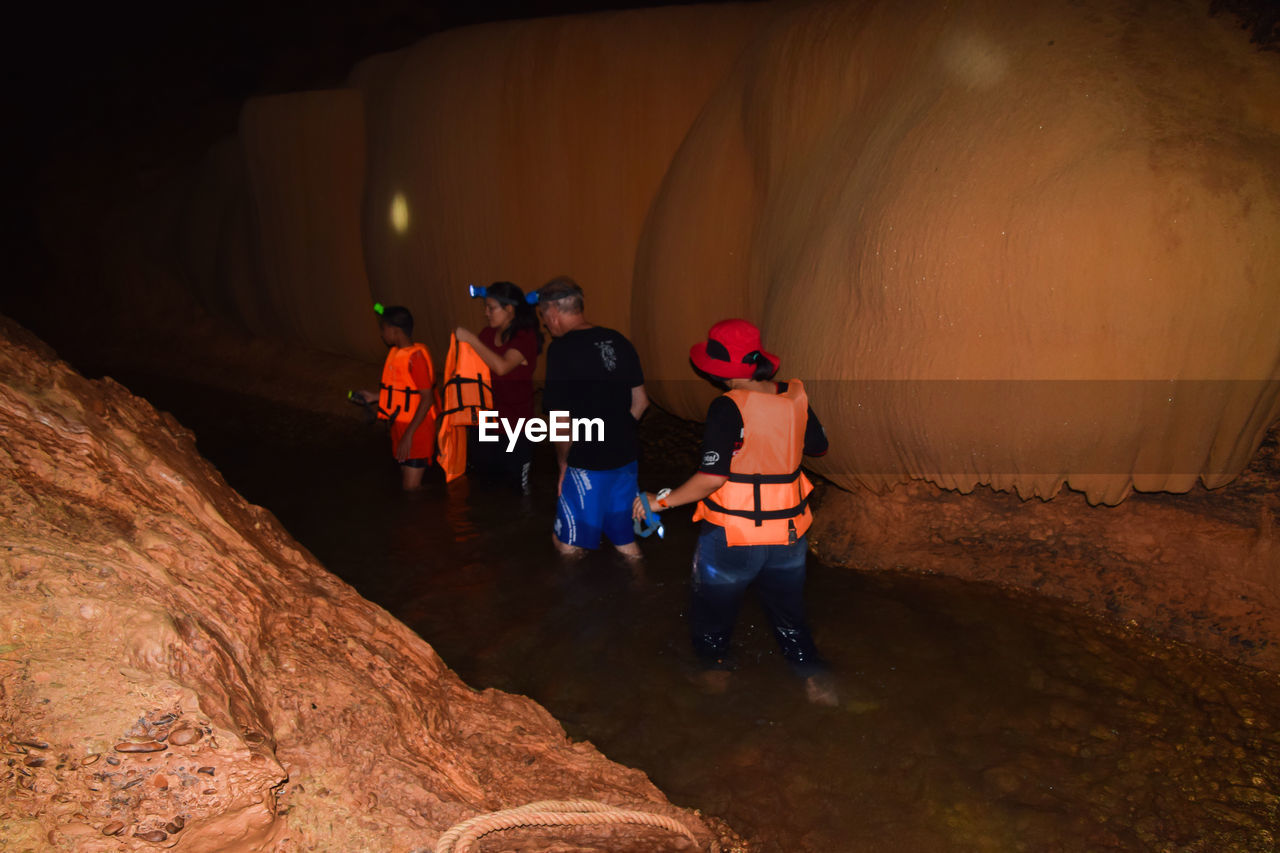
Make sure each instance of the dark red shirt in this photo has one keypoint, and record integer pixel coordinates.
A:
(513, 393)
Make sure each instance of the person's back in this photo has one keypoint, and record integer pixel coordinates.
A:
(752, 499)
(590, 374)
(593, 374)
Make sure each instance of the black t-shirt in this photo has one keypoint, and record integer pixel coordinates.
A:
(723, 433)
(590, 374)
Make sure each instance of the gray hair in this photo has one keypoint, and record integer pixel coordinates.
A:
(564, 292)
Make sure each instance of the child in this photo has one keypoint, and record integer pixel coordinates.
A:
(406, 396)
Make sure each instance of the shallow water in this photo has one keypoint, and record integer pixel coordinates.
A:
(972, 719)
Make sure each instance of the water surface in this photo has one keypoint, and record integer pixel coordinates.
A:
(972, 719)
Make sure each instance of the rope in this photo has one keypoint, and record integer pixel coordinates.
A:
(460, 838)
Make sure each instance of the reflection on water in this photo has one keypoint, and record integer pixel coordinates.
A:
(972, 720)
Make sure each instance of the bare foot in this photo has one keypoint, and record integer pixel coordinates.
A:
(819, 690)
(713, 682)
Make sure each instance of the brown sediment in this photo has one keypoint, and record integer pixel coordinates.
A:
(1202, 568)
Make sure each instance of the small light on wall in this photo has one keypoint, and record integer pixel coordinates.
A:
(399, 213)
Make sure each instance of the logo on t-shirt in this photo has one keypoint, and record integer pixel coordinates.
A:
(607, 356)
(710, 458)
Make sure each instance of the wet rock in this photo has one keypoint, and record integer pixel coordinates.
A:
(140, 746)
(31, 744)
(184, 736)
(91, 476)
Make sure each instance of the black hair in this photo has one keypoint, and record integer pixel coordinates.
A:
(398, 316)
(525, 317)
(765, 369)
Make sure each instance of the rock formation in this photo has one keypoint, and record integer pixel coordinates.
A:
(1022, 246)
(175, 670)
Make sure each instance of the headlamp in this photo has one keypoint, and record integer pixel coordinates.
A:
(483, 292)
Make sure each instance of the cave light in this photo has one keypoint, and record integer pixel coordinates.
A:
(399, 213)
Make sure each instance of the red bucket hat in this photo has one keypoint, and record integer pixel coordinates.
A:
(731, 351)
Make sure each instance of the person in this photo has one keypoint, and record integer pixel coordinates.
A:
(752, 499)
(592, 373)
(509, 344)
(406, 396)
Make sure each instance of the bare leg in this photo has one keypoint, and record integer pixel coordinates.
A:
(821, 690)
(411, 478)
(631, 551)
(567, 550)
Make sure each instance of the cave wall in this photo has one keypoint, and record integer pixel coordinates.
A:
(1024, 247)
(305, 158)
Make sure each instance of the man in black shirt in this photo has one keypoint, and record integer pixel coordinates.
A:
(594, 374)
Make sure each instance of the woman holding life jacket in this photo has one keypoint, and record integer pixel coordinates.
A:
(509, 344)
(752, 499)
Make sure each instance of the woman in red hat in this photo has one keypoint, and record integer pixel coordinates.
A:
(753, 499)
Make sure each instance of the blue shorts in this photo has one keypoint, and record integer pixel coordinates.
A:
(595, 502)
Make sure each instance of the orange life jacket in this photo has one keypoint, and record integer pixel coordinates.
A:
(398, 396)
(765, 500)
(468, 389)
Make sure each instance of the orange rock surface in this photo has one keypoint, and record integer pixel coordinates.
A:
(176, 670)
(1020, 245)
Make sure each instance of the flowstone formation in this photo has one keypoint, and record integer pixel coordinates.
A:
(1029, 246)
(175, 670)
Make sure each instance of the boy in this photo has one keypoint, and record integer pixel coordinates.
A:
(406, 396)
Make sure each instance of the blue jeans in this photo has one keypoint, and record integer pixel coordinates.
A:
(722, 573)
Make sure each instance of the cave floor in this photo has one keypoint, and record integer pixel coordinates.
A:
(972, 719)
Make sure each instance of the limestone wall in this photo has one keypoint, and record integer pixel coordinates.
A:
(1020, 245)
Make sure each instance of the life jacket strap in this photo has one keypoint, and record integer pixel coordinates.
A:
(758, 515)
(391, 398)
(756, 481)
(456, 384)
(769, 479)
